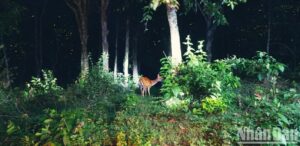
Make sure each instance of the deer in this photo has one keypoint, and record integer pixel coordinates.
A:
(145, 84)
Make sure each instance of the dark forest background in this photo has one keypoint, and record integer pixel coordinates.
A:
(45, 35)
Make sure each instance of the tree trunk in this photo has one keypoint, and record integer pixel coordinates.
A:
(79, 7)
(135, 71)
(84, 60)
(116, 52)
(38, 34)
(126, 56)
(57, 46)
(269, 26)
(174, 35)
(41, 32)
(210, 31)
(104, 33)
(116, 63)
(7, 81)
(37, 47)
(7, 71)
(84, 51)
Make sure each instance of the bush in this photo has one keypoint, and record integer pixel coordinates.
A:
(262, 66)
(99, 91)
(42, 86)
(196, 78)
(11, 114)
(4, 107)
(78, 115)
(213, 104)
(42, 92)
(69, 127)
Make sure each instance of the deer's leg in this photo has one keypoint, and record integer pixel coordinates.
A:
(149, 91)
(141, 89)
(144, 91)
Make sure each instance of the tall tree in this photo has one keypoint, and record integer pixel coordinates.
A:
(38, 36)
(269, 15)
(171, 7)
(116, 50)
(10, 13)
(212, 12)
(135, 70)
(104, 33)
(136, 38)
(126, 55)
(80, 10)
(174, 33)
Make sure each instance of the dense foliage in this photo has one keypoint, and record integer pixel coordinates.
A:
(230, 99)
(197, 79)
(206, 97)
(46, 113)
(202, 104)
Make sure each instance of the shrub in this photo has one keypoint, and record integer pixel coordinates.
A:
(213, 105)
(262, 66)
(99, 91)
(101, 84)
(5, 107)
(196, 78)
(42, 92)
(79, 115)
(42, 86)
(69, 127)
(12, 113)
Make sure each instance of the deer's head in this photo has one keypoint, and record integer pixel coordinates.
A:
(159, 78)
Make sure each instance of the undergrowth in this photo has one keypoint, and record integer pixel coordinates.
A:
(202, 103)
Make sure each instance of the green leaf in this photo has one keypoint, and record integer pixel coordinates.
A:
(11, 128)
(176, 91)
(154, 4)
(66, 140)
(47, 121)
(260, 77)
(232, 5)
(283, 119)
(281, 67)
(38, 134)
